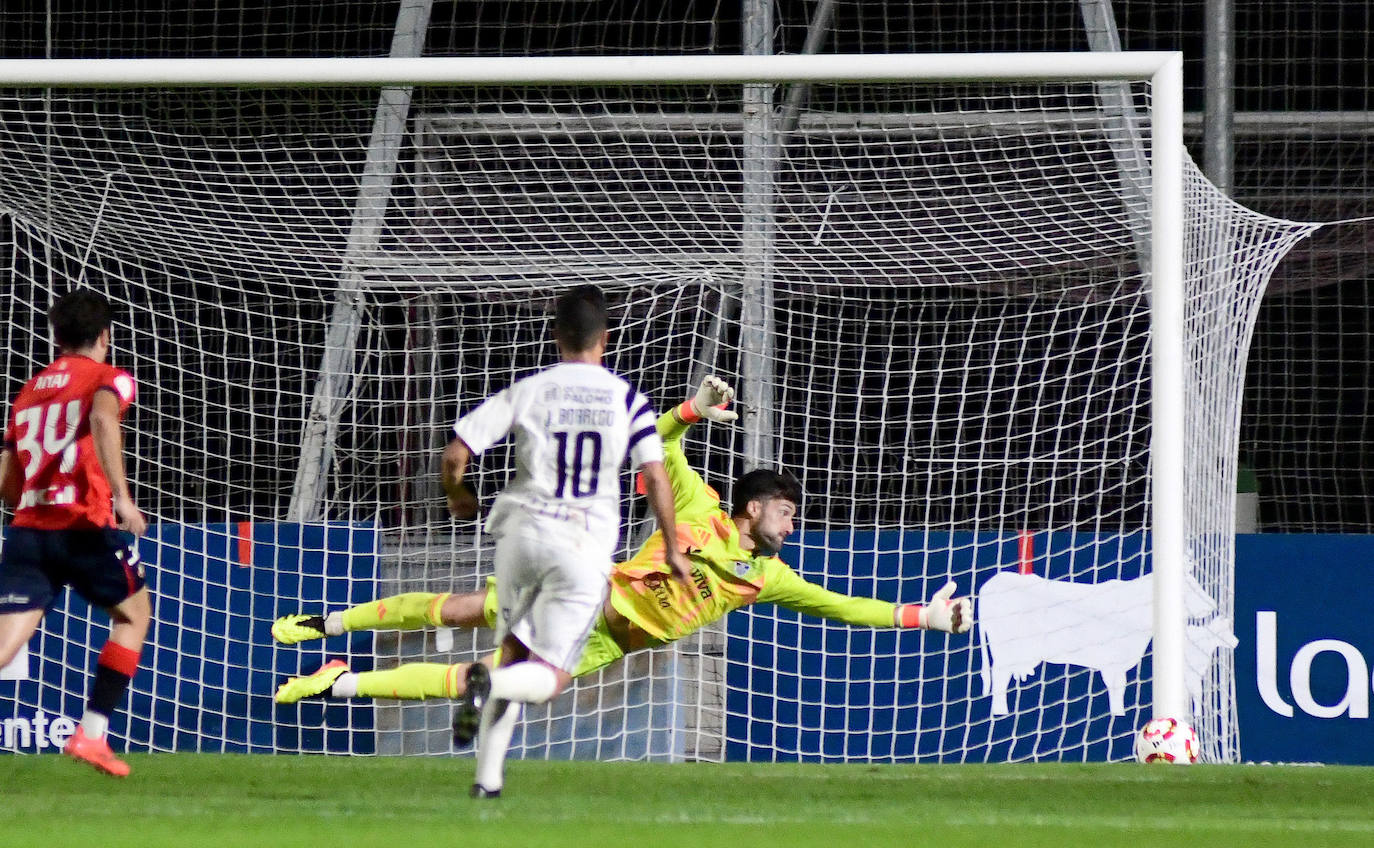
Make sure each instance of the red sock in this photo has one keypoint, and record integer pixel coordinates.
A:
(114, 670)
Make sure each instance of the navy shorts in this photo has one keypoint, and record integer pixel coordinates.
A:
(100, 565)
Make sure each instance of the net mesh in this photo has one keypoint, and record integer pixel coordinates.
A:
(953, 360)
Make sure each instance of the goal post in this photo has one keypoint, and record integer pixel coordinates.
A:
(961, 349)
(1167, 386)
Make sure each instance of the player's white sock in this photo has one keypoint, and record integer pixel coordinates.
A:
(530, 682)
(493, 740)
(333, 623)
(94, 724)
(346, 686)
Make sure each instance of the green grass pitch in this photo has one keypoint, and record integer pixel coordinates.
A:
(288, 801)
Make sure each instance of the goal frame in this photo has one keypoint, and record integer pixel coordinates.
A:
(1163, 70)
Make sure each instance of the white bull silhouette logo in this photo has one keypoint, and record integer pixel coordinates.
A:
(1025, 620)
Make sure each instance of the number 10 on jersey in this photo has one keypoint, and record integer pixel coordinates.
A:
(579, 455)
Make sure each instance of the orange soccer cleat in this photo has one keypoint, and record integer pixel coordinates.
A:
(96, 752)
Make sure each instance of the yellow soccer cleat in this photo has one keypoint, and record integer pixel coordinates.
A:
(311, 685)
(294, 629)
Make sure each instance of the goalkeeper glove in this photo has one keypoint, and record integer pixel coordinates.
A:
(711, 399)
(944, 612)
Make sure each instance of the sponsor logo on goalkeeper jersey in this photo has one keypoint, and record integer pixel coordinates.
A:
(657, 584)
(38, 732)
(703, 585)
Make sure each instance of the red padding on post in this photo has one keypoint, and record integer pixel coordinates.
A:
(1025, 552)
(245, 539)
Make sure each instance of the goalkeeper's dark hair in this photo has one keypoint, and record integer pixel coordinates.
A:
(765, 484)
(78, 318)
(579, 318)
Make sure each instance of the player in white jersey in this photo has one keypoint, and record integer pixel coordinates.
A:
(556, 523)
(573, 424)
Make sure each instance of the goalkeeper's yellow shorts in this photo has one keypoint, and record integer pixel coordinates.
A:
(600, 651)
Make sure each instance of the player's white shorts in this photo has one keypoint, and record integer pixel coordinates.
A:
(563, 573)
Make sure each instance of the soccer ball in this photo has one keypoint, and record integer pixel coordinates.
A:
(1166, 740)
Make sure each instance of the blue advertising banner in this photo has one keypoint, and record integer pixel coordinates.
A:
(209, 667)
(799, 688)
(1303, 641)
(1306, 641)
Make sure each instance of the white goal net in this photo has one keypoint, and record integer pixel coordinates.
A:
(935, 298)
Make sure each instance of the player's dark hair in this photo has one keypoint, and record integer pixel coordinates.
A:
(78, 318)
(579, 318)
(763, 484)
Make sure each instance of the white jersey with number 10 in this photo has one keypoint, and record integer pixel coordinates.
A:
(574, 424)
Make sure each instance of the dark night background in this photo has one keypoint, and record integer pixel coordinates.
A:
(1306, 424)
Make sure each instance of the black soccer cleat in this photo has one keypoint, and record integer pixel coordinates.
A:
(480, 791)
(468, 717)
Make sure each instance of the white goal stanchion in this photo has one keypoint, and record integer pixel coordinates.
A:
(981, 305)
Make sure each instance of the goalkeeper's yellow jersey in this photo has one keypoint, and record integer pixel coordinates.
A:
(724, 575)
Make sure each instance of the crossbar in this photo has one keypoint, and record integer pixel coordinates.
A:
(454, 70)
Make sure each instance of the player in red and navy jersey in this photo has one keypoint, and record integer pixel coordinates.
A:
(62, 471)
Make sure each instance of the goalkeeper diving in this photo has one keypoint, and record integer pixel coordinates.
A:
(734, 559)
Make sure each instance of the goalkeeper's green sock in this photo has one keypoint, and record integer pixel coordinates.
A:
(411, 611)
(409, 682)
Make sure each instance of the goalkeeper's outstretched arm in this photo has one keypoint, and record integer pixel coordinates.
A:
(943, 612)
